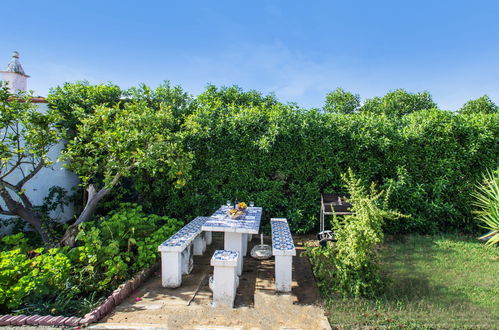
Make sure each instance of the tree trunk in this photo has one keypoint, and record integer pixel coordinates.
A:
(26, 213)
(69, 238)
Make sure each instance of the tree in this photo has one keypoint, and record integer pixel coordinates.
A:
(399, 103)
(74, 101)
(115, 142)
(26, 138)
(481, 105)
(340, 101)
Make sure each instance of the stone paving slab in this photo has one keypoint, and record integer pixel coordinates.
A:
(257, 306)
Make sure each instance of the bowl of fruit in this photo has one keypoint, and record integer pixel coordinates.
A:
(242, 206)
(235, 213)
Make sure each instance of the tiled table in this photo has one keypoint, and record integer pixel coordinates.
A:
(235, 231)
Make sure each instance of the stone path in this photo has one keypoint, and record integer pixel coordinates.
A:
(257, 306)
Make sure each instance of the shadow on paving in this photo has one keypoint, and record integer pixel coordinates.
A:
(258, 276)
(257, 305)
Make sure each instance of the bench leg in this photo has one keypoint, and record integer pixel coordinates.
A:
(224, 286)
(171, 269)
(187, 262)
(234, 241)
(283, 273)
(199, 245)
(207, 236)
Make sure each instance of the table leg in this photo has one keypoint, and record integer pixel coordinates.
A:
(234, 242)
(245, 245)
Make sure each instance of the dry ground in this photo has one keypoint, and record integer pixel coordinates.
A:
(257, 306)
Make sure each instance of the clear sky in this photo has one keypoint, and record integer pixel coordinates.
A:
(298, 49)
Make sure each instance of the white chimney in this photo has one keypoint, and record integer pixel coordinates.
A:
(14, 75)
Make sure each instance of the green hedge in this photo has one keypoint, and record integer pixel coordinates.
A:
(253, 147)
(281, 157)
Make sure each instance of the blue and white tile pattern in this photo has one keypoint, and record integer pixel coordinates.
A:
(281, 236)
(225, 255)
(184, 236)
(249, 223)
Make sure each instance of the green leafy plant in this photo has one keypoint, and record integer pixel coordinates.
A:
(22, 276)
(109, 251)
(487, 202)
(251, 146)
(75, 101)
(339, 101)
(118, 245)
(358, 235)
(350, 266)
(482, 104)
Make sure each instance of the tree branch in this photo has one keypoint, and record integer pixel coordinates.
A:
(19, 162)
(37, 169)
(5, 212)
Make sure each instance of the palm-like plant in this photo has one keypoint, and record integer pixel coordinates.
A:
(487, 201)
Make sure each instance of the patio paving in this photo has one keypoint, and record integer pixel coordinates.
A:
(257, 306)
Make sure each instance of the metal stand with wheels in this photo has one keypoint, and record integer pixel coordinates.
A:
(331, 204)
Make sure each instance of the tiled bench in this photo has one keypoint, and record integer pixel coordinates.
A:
(177, 251)
(225, 279)
(283, 249)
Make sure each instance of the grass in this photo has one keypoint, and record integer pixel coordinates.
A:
(432, 282)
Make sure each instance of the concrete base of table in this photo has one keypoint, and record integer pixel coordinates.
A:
(199, 245)
(245, 245)
(234, 242)
(208, 237)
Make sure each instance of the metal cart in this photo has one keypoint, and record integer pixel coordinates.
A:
(331, 204)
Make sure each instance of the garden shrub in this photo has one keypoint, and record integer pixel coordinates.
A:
(22, 276)
(358, 235)
(116, 246)
(350, 267)
(66, 281)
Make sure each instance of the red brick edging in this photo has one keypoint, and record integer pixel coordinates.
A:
(116, 298)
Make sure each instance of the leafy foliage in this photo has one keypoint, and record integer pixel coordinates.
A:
(74, 101)
(340, 101)
(72, 281)
(119, 245)
(356, 259)
(113, 142)
(350, 266)
(487, 202)
(21, 276)
(235, 143)
(481, 105)
(399, 103)
(253, 147)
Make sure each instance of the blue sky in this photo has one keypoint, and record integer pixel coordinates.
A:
(298, 49)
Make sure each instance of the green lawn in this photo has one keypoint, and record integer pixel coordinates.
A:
(433, 282)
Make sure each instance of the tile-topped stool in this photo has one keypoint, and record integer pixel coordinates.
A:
(283, 249)
(225, 279)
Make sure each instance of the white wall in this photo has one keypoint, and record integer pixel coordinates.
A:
(15, 81)
(55, 175)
